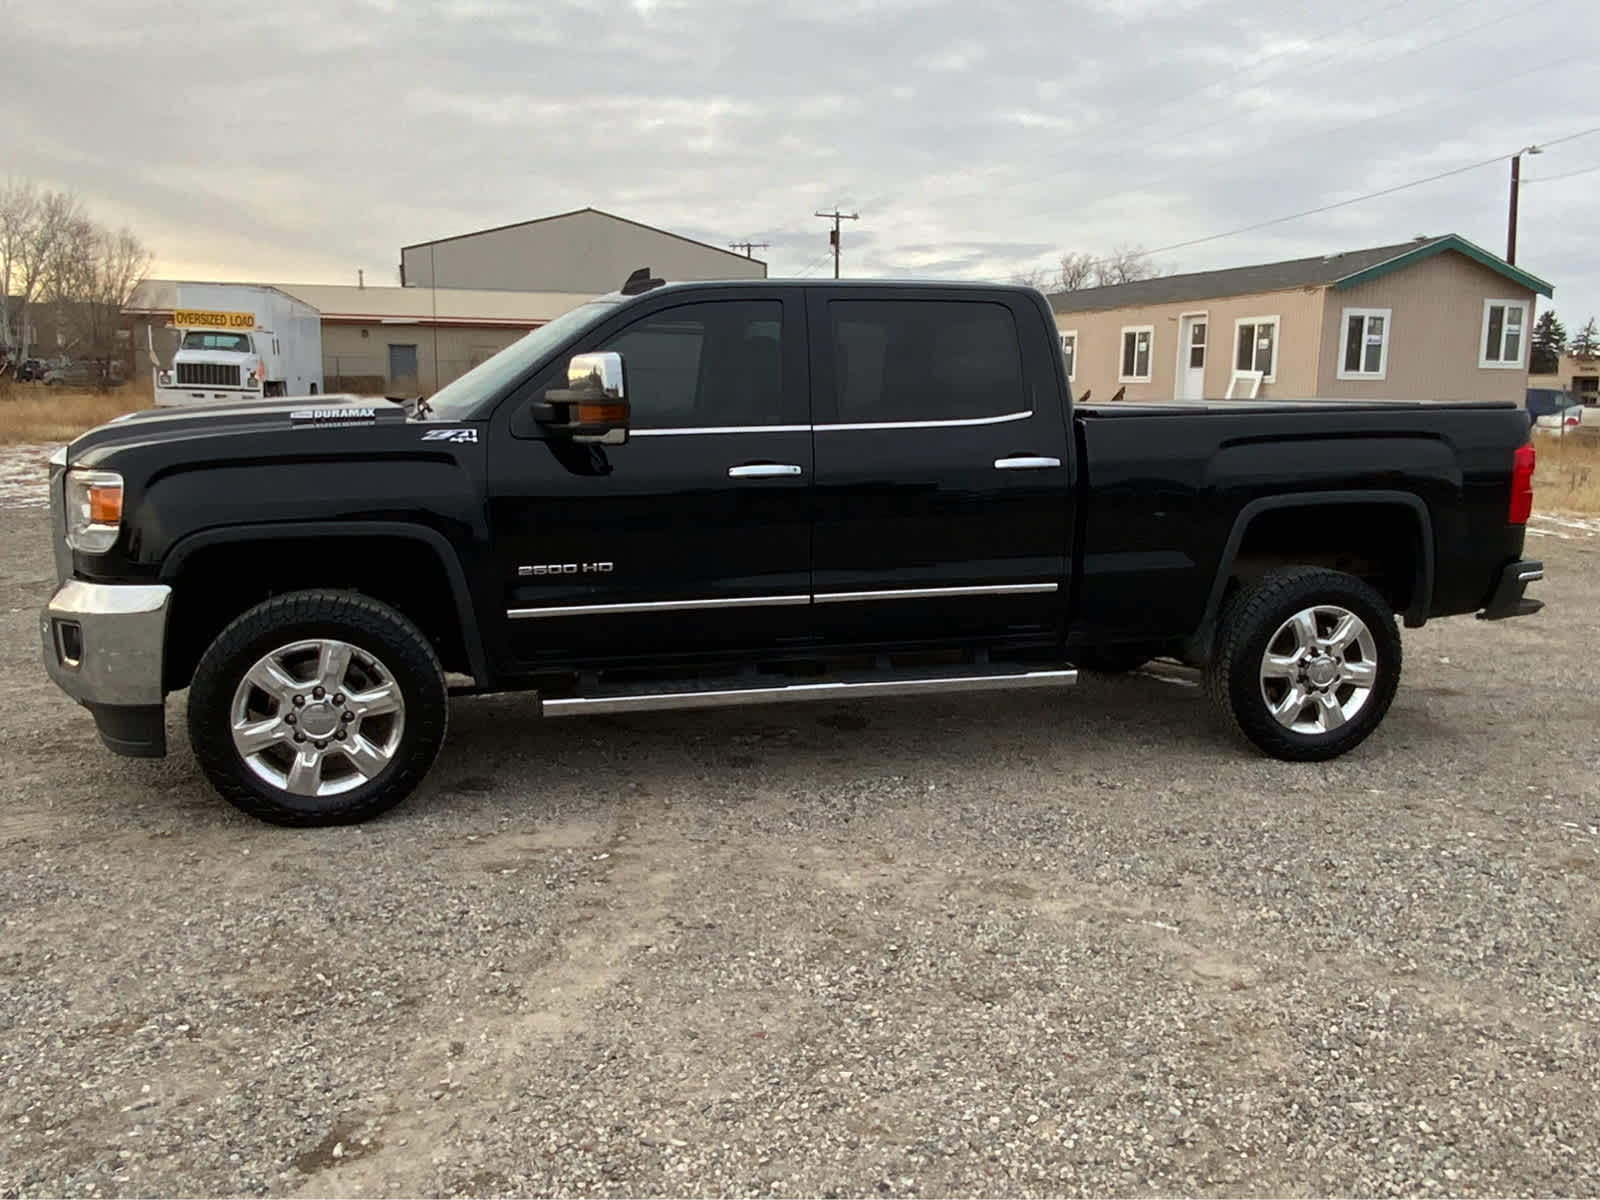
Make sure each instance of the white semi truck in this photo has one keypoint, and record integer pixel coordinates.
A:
(240, 341)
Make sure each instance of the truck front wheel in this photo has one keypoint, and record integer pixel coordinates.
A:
(317, 708)
(1307, 662)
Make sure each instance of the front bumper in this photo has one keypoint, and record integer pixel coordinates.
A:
(104, 645)
(1508, 600)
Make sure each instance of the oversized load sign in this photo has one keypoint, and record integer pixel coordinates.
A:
(193, 318)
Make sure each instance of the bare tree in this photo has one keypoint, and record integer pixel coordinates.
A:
(1039, 278)
(55, 213)
(19, 204)
(93, 276)
(1076, 272)
(1125, 264)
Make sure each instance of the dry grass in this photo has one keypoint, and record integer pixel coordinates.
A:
(31, 414)
(1567, 478)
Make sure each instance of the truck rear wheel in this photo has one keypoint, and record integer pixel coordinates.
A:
(1307, 662)
(317, 708)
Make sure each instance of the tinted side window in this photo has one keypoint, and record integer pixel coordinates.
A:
(925, 360)
(719, 363)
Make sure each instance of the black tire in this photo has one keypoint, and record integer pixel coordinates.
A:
(382, 638)
(1112, 660)
(1257, 617)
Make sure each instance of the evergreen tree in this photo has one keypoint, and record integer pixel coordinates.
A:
(1549, 343)
(1586, 345)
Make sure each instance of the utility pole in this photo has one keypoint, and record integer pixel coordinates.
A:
(748, 247)
(833, 236)
(1516, 187)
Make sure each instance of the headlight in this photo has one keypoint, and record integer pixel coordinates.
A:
(164, 378)
(94, 510)
(252, 382)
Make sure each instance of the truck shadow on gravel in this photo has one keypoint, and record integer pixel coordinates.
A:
(497, 745)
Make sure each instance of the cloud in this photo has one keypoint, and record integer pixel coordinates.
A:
(308, 138)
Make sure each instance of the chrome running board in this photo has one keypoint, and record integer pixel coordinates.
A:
(723, 694)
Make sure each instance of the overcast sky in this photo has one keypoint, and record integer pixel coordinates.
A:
(300, 140)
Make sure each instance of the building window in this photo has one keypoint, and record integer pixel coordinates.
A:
(1069, 352)
(1366, 343)
(1257, 339)
(1503, 324)
(1136, 345)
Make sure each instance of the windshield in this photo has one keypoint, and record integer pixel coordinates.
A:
(197, 339)
(459, 397)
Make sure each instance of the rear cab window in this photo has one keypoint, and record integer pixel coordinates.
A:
(922, 361)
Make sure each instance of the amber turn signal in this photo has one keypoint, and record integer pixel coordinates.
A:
(601, 414)
(105, 504)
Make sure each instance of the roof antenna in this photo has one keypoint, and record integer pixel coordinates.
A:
(641, 281)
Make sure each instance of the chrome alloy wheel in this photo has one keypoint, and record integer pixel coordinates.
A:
(1319, 669)
(317, 717)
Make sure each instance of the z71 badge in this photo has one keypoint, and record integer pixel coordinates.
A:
(450, 435)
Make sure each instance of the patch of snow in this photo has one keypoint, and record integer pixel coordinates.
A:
(25, 476)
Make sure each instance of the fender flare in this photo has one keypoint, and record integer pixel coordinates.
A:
(436, 542)
(1422, 592)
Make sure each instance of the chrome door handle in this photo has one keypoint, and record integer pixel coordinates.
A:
(763, 470)
(1026, 462)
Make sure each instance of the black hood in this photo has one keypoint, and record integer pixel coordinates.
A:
(205, 422)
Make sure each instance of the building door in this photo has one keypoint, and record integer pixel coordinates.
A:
(402, 368)
(1192, 358)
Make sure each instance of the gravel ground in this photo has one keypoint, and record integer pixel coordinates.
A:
(1040, 944)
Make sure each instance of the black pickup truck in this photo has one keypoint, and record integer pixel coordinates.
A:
(734, 493)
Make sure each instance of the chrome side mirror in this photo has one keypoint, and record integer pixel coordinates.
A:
(593, 407)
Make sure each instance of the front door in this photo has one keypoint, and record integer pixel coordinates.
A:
(693, 539)
(1192, 358)
(943, 474)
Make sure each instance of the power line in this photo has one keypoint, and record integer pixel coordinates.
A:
(748, 247)
(1458, 96)
(1571, 137)
(1566, 175)
(1388, 191)
(813, 265)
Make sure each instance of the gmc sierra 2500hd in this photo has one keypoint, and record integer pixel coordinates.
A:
(733, 493)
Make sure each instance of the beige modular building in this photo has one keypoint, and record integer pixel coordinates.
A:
(584, 251)
(1431, 319)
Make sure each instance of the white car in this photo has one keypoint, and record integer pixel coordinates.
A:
(1569, 417)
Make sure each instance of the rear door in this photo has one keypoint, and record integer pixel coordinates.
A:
(943, 471)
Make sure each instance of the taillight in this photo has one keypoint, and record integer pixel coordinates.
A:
(1521, 486)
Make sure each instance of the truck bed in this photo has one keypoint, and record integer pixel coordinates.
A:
(1171, 483)
(1122, 408)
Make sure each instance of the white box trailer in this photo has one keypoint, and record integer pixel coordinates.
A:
(240, 341)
